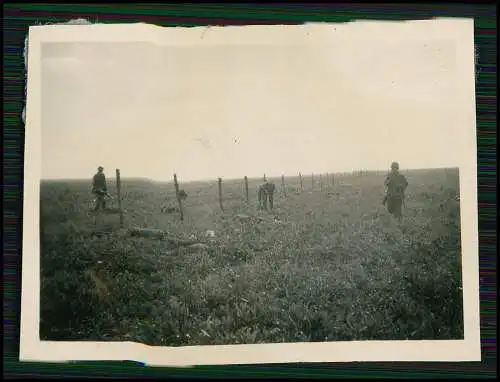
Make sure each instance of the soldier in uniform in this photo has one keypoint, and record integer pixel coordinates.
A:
(396, 185)
(266, 193)
(99, 188)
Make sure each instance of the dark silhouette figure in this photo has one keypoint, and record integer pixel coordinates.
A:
(396, 185)
(266, 194)
(99, 189)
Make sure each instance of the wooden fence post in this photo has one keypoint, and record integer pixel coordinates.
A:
(321, 182)
(246, 188)
(301, 185)
(283, 184)
(119, 195)
(220, 194)
(176, 184)
(312, 181)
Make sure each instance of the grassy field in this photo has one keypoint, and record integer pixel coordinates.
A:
(324, 265)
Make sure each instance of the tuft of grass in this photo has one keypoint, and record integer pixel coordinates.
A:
(323, 266)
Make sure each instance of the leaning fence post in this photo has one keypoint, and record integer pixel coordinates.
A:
(220, 194)
(283, 184)
(246, 188)
(178, 197)
(119, 196)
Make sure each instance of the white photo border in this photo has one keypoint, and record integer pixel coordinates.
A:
(460, 31)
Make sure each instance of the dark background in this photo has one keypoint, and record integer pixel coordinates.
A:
(19, 16)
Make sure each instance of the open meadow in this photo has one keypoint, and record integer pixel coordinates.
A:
(325, 264)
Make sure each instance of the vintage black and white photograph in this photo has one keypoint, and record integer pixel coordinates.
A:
(254, 193)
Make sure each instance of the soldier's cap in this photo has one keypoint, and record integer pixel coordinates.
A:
(100, 168)
(394, 165)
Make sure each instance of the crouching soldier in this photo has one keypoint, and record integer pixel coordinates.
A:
(396, 185)
(99, 189)
(266, 193)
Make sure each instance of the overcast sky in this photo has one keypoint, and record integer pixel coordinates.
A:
(231, 111)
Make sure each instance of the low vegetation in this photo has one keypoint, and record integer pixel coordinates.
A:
(324, 265)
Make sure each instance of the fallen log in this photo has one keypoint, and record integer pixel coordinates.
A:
(153, 233)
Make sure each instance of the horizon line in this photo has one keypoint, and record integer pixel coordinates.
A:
(304, 174)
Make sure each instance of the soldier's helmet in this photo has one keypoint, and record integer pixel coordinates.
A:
(100, 168)
(395, 165)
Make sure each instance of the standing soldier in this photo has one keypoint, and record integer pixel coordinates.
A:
(99, 188)
(396, 185)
